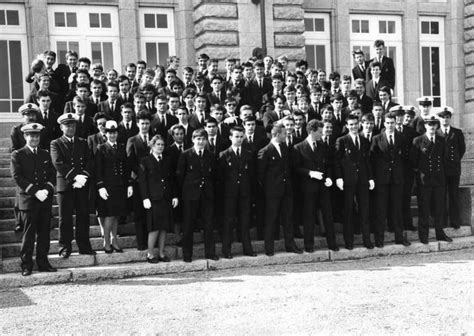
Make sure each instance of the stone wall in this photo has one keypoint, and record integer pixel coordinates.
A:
(468, 117)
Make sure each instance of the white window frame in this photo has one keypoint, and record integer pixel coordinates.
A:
(391, 40)
(320, 38)
(83, 33)
(17, 33)
(157, 35)
(435, 40)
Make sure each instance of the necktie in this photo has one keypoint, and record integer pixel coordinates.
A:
(211, 141)
(298, 133)
(357, 142)
(180, 148)
(238, 153)
(362, 68)
(400, 129)
(145, 139)
(250, 139)
(260, 85)
(390, 140)
(112, 107)
(314, 146)
(446, 133)
(158, 158)
(35, 151)
(115, 146)
(200, 153)
(327, 140)
(127, 125)
(432, 139)
(97, 101)
(288, 141)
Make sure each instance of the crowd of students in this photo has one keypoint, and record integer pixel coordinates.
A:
(265, 144)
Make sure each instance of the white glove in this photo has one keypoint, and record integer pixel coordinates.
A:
(174, 202)
(103, 193)
(41, 195)
(147, 203)
(340, 183)
(230, 120)
(328, 182)
(81, 179)
(71, 77)
(77, 185)
(315, 174)
(371, 184)
(129, 191)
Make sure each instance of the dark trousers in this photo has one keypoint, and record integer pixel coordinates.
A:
(406, 200)
(427, 196)
(36, 227)
(388, 197)
(452, 202)
(258, 211)
(236, 207)
(278, 210)
(190, 212)
(361, 193)
(311, 200)
(76, 200)
(139, 218)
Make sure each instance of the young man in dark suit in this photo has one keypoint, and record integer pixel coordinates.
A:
(127, 127)
(85, 124)
(48, 118)
(427, 156)
(354, 176)
(72, 160)
(274, 175)
(137, 148)
(236, 172)
(387, 68)
(215, 143)
(195, 175)
(455, 149)
(64, 73)
(360, 69)
(387, 156)
(259, 85)
(312, 165)
(162, 121)
(34, 176)
(198, 118)
(111, 105)
(373, 85)
(365, 101)
(271, 117)
(82, 91)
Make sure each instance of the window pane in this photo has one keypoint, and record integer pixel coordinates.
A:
(436, 88)
(5, 82)
(392, 53)
(321, 57)
(383, 27)
(163, 52)
(13, 18)
(310, 57)
(161, 21)
(74, 46)
(425, 27)
(106, 22)
(16, 70)
(436, 101)
(108, 55)
(366, 50)
(61, 48)
(149, 21)
(364, 26)
(308, 24)
(96, 52)
(426, 71)
(150, 49)
(2, 18)
(5, 106)
(391, 27)
(71, 19)
(434, 27)
(16, 105)
(355, 26)
(319, 25)
(94, 20)
(59, 19)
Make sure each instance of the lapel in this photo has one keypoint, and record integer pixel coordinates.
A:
(274, 151)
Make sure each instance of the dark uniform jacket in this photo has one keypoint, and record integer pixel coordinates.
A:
(236, 175)
(17, 138)
(428, 160)
(111, 167)
(455, 149)
(387, 161)
(157, 179)
(274, 171)
(69, 161)
(352, 164)
(136, 149)
(32, 173)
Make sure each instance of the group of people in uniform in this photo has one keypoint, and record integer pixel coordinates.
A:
(259, 146)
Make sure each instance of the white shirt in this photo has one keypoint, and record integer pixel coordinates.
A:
(390, 135)
(445, 130)
(33, 149)
(237, 148)
(277, 146)
(311, 142)
(354, 137)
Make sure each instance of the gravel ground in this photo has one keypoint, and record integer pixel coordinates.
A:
(427, 294)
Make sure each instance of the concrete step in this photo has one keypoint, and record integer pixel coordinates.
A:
(9, 201)
(5, 172)
(11, 251)
(7, 182)
(94, 268)
(7, 213)
(7, 191)
(5, 148)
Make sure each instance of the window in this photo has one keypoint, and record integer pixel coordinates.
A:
(432, 60)
(78, 31)
(318, 41)
(384, 27)
(67, 19)
(14, 65)
(157, 35)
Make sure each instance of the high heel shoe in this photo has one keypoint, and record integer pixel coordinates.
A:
(116, 249)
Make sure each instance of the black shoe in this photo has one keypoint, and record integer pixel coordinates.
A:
(295, 250)
(410, 228)
(424, 241)
(369, 246)
(153, 260)
(115, 249)
(65, 252)
(349, 246)
(19, 228)
(108, 251)
(334, 248)
(251, 254)
(212, 257)
(47, 268)
(270, 254)
(309, 250)
(164, 259)
(26, 272)
(90, 252)
(403, 242)
(187, 259)
(444, 238)
(379, 244)
(142, 248)
(454, 226)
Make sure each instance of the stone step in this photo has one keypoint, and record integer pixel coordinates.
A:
(11, 251)
(5, 149)
(7, 182)
(7, 213)
(7, 191)
(115, 266)
(9, 201)
(5, 172)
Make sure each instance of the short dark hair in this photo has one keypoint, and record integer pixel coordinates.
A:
(313, 125)
(143, 115)
(84, 60)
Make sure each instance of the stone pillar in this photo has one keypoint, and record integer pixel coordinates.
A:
(184, 33)
(249, 27)
(216, 28)
(288, 28)
(36, 12)
(411, 51)
(129, 40)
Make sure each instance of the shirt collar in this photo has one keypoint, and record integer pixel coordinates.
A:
(32, 149)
